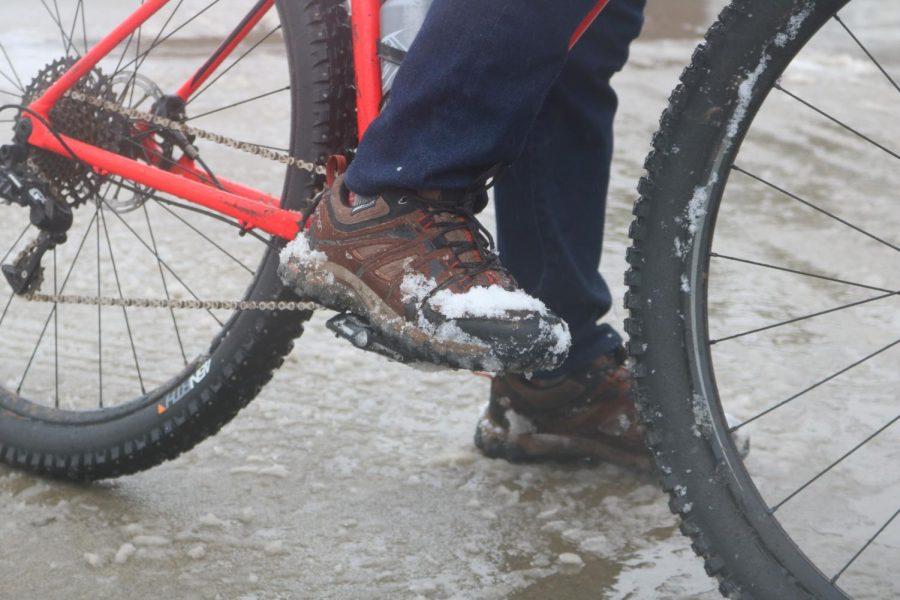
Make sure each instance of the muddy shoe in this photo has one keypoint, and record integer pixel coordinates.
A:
(589, 414)
(422, 275)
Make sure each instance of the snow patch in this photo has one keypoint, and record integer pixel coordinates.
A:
(277, 471)
(299, 252)
(598, 545)
(698, 207)
(211, 520)
(274, 548)
(702, 416)
(151, 541)
(568, 559)
(124, 552)
(745, 95)
(559, 332)
(415, 287)
(479, 301)
(519, 424)
(95, 560)
(793, 27)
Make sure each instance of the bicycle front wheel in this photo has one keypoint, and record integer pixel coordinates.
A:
(763, 282)
(91, 392)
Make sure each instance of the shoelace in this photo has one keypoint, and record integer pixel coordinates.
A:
(481, 242)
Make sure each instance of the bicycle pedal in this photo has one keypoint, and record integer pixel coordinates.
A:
(361, 334)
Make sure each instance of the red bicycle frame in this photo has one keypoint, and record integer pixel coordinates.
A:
(251, 208)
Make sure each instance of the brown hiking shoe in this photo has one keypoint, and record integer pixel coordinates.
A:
(423, 277)
(589, 414)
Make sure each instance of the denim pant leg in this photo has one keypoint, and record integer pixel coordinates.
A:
(467, 94)
(551, 204)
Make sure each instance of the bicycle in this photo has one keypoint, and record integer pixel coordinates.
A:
(98, 145)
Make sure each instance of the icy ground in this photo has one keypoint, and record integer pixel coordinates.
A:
(350, 477)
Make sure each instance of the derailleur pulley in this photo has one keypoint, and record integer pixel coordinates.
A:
(50, 215)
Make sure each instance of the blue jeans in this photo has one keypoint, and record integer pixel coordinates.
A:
(491, 82)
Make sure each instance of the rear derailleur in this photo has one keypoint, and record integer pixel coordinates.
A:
(50, 215)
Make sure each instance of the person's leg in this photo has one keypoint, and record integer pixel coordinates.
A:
(552, 202)
(467, 94)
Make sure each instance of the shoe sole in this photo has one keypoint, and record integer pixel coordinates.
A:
(335, 287)
(495, 442)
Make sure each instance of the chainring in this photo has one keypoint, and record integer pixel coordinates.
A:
(72, 181)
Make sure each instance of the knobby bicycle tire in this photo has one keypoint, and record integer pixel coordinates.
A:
(700, 134)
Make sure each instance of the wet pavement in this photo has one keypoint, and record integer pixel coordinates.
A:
(339, 486)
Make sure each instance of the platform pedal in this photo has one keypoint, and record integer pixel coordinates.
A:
(361, 334)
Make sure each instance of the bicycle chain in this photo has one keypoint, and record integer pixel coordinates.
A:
(239, 305)
(215, 138)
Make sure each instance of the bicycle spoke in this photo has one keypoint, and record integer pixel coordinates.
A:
(206, 213)
(159, 41)
(141, 57)
(16, 243)
(866, 545)
(816, 208)
(21, 85)
(169, 161)
(818, 384)
(137, 52)
(835, 463)
(6, 308)
(112, 260)
(10, 80)
(234, 64)
(84, 26)
(798, 272)
(165, 265)
(133, 104)
(869, 54)
(803, 318)
(240, 103)
(55, 336)
(125, 51)
(99, 310)
(87, 231)
(837, 121)
(8, 93)
(205, 237)
(58, 21)
(165, 285)
(75, 22)
(138, 61)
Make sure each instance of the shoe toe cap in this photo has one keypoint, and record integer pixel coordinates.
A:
(519, 340)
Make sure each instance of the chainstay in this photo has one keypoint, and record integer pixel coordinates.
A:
(240, 305)
(215, 138)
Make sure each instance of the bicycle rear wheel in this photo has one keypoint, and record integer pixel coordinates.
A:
(765, 218)
(91, 393)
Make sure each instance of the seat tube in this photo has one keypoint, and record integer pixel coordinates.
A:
(365, 16)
